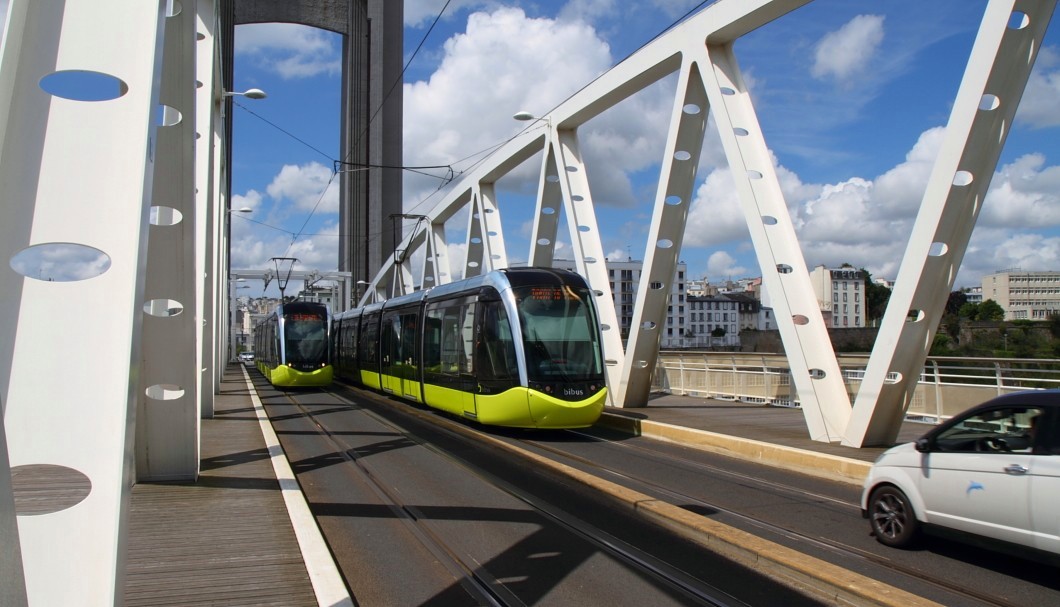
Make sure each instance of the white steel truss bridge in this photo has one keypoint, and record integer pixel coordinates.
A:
(143, 336)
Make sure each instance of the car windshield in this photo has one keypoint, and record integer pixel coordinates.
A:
(560, 335)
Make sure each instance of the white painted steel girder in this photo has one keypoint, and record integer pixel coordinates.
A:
(12, 582)
(546, 212)
(484, 244)
(75, 173)
(585, 241)
(982, 114)
(207, 120)
(168, 410)
(684, 145)
(814, 368)
(436, 264)
(701, 47)
(720, 23)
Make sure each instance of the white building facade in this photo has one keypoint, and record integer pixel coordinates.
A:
(624, 277)
(713, 322)
(841, 295)
(1024, 295)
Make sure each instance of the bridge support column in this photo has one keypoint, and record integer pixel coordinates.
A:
(996, 75)
(208, 144)
(78, 100)
(167, 413)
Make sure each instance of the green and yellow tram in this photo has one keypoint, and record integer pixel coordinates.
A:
(292, 345)
(518, 347)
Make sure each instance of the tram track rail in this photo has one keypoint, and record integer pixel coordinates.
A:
(476, 585)
(473, 577)
(809, 575)
(839, 549)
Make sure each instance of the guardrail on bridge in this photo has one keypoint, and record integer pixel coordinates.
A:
(947, 385)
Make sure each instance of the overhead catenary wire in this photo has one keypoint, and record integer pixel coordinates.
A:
(337, 162)
(451, 173)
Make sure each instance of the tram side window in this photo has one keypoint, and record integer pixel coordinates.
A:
(448, 338)
(368, 353)
(496, 362)
(432, 337)
(409, 325)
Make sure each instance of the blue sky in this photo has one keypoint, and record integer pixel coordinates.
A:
(850, 94)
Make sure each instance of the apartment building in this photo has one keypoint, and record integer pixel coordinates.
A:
(624, 277)
(841, 294)
(713, 322)
(1024, 295)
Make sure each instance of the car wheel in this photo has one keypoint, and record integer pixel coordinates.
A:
(893, 520)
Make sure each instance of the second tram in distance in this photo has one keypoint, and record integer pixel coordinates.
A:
(518, 347)
(291, 345)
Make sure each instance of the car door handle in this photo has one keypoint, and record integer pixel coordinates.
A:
(1016, 469)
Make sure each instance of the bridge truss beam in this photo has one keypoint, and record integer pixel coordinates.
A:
(701, 52)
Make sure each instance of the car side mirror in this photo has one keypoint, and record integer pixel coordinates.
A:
(923, 445)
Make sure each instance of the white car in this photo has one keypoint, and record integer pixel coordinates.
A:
(247, 357)
(993, 472)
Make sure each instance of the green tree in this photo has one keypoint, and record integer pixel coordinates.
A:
(1054, 324)
(955, 301)
(991, 310)
(876, 298)
(969, 310)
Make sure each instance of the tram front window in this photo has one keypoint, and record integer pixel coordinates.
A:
(306, 337)
(559, 334)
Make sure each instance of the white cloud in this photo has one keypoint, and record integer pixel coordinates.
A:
(1039, 107)
(722, 266)
(1024, 194)
(850, 49)
(251, 200)
(60, 262)
(289, 50)
(867, 222)
(503, 63)
(310, 187)
(253, 246)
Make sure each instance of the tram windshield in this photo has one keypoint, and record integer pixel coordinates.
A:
(306, 337)
(560, 333)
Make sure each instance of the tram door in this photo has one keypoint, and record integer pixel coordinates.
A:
(400, 358)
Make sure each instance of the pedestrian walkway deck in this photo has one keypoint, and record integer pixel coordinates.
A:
(225, 539)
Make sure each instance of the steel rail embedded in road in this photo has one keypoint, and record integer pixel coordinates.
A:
(670, 577)
(777, 562)
(838, 548)
(482, 587)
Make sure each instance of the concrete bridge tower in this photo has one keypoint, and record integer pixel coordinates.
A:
(371, 121)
